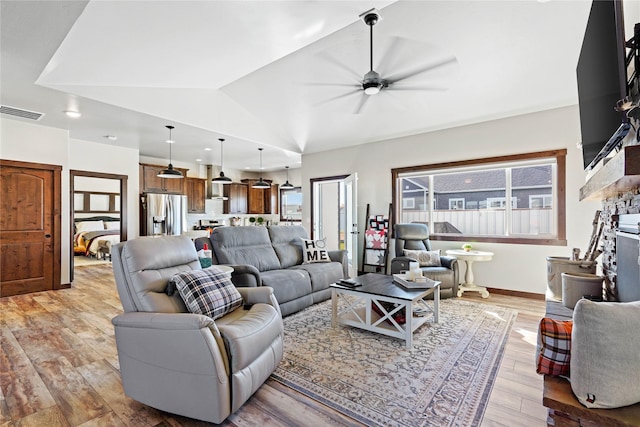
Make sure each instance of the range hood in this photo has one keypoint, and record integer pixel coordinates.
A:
(214, 191)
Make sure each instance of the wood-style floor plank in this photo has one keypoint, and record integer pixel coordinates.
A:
(60, 368)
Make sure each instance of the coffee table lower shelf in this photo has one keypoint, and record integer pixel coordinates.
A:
(358, 312)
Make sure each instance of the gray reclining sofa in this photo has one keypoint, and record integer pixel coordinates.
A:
(272, 256)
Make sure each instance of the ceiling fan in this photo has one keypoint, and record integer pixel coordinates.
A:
(373, 83)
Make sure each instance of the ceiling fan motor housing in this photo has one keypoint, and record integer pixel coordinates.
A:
(371, 17)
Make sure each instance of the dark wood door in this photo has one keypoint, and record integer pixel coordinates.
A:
(29, 227)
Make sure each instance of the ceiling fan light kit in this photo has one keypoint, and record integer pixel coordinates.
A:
(261, 184)
(170, 172)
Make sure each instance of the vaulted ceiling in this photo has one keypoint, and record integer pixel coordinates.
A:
(283, 75)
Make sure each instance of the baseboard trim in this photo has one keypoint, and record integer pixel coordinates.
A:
(521, 294)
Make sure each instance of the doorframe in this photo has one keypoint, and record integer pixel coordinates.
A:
(312, 181)
(123, 205)
(56, 212)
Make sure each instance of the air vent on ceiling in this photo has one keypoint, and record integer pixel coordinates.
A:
(18, 112)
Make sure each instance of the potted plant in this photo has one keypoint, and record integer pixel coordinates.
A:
(260, 220)
(252, 220)
(467, 247)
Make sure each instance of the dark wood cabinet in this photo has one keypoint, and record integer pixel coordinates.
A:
(262, 201)
(236, 195)
(195, 195)
(151, 183)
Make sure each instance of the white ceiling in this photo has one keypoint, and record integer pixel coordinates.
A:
(256, 72)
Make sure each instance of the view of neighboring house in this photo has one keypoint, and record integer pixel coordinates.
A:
(482, 196)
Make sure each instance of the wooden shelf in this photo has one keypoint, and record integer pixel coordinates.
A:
(621, 173)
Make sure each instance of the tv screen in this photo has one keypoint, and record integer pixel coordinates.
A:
(601, 75)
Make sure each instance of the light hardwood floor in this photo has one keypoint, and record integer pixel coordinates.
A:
(59, 367)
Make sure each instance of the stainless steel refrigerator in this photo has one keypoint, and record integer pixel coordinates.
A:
(163, 214)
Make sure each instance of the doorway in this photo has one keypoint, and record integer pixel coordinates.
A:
(97, 198)
(29, 227)
(334, 215)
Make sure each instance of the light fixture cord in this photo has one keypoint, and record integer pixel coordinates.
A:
(221, 155)
(371, 48)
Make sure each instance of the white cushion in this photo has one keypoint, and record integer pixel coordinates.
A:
(605, 353)
(314, 251)
(112, 225)
(89, 226)
(425, 258)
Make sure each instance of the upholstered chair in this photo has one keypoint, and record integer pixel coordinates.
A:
(185, 363)
(414, 237)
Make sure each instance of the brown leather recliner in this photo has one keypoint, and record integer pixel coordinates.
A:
(184, 363)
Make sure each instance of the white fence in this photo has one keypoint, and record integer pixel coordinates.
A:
(490, 221)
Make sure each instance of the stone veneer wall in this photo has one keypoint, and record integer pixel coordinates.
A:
(625, 203)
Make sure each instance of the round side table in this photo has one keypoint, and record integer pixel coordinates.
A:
(469, 257)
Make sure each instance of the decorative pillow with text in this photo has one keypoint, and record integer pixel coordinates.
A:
(314, 251)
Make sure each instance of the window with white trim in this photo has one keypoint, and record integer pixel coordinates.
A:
(466, 200)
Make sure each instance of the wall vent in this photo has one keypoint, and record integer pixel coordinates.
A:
(18, 112)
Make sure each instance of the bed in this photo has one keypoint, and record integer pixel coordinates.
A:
(88, 232)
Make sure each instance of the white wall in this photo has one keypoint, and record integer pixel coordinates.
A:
(40, 144)
(109, 158)
(514, 267)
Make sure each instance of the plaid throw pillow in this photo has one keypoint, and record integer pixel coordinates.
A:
(554, 347)
(209, 292)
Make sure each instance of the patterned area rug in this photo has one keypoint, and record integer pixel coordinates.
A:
(444, 380)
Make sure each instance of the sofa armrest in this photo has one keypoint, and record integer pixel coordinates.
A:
(263, 294)
(341, 257)
(245, 276)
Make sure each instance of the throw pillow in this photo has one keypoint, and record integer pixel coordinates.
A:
(209, 292)
(425, 258)
(605, 353)
(553, 351)
(314, 251)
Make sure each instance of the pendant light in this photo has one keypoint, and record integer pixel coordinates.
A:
(261, 183)
(170, 172)
(287, 185)
(221, 179)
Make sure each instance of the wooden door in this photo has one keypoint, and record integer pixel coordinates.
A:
(29, 227)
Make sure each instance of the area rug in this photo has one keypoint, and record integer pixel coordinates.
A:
(444, 380)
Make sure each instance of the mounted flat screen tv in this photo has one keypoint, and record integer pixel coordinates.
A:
(602, 81)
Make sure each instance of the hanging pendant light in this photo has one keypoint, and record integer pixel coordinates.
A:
(287, 185)
(170, 172)
(221, 179)
(261, 183)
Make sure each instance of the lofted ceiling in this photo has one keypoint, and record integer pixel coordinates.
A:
(282, 75)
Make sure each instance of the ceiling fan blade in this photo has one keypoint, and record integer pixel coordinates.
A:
(417, 88)
(335, 98)
(354, 85)
(389, 55)
(401, 76)
(363, 102)
(340, 65)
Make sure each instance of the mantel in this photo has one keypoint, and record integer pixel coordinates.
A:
(621, 173)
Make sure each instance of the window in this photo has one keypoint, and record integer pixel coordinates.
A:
(408, 203)
(468, 199)
(291, 205)
(456, 203)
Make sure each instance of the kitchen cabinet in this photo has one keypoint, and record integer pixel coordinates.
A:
(151, 183)
(195, 195)
(261, 201)
(236, 202)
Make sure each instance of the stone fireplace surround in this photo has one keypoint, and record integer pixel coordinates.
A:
(627, 202)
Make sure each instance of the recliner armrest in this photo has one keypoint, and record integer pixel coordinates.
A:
(449, 262)
(166, 321)
(245, 276)
(262, 294)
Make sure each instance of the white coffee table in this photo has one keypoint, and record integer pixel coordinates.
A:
(469, 257)
(375, 289)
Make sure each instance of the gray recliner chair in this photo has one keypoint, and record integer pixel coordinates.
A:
(415, 236)
(184, 363)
